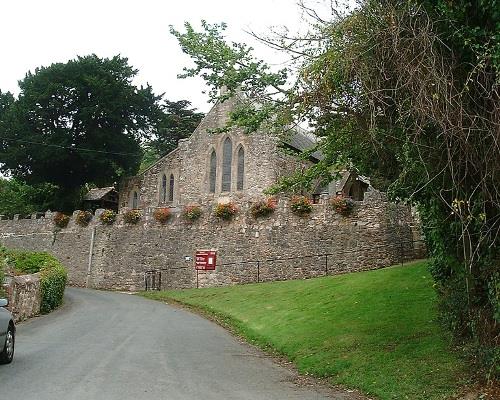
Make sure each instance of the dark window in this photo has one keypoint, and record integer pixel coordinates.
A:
(163, 198)
(241, 168)
(213, 171)
(171, 188)
(227, 159)
(135, 200)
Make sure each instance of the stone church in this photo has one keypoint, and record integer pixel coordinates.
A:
(213, 167)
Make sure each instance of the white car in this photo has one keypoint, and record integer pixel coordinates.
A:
(7, 334)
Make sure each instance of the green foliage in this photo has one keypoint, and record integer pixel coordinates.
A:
(132, 216)
(301, 205)
(75, 123)
(61, 220)
(53, 274)
(406, 92)
(53, 278)
(225, 211)
(83, 218)
(192, 213)
(375, 331)
(162, 214)
(178, 121)
(342, 205)
(108, 217)
(263, 208)
(20, 198)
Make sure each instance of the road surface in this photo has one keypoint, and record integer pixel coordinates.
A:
(108, 346)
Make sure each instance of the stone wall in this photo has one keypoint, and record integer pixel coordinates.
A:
(24, 296)
(377, 234)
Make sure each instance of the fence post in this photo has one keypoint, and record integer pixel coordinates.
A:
(258, 271)
(197, 285)
(401, 252)
(326, 264)
(146, 281)
(159, 281)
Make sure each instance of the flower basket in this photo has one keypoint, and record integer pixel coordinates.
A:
(191, 213)
(263, 208)
(132, 216)
(300, 205)
(162, 215)
(83, 218)
(225, 211)
(61, 220)
(108, 217)
(342, 205)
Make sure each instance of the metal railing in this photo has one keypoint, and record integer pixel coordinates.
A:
(400, 251)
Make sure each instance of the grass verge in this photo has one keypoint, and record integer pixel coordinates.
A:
(375, 331)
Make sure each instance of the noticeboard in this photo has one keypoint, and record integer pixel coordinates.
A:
(205, 260)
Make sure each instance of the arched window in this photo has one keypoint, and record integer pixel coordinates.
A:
(213, 171)
(163, 197)
(227, 159)
(241, 169)
(171, 188)
(135, 200)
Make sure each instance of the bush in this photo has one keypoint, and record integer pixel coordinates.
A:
(53, 278)
(342, 205)
(225, 211)
(83, 218)
(191, 213)
(132, 216)
(53, 274)
(301, 205)
(263, 208)
(61, 220)
(162, 214)
(108, 217)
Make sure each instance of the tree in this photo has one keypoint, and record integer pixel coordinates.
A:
(178, 121)
(75, 123)
(408, 92)
(19, 198)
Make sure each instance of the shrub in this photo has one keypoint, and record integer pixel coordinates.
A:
(301, 205)
(61, 220)
(191, 213)
(225, 211)
(162, 214)
(132, 216)
(342, 205)
(53, 278)
(83, 218)
(108, 217)
(263, 208)
(53, 274)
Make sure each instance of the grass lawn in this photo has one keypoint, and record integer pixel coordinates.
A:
(375, 331)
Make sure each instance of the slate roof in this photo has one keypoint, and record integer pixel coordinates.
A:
(98, 193)
(301, 140)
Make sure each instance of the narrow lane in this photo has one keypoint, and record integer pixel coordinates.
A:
(108, 346)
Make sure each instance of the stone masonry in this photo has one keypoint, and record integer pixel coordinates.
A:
(377, 234)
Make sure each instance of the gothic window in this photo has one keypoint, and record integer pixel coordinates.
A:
(213, 171)
(135, 200)
(241, 169)
(227, 159)
(171, 188)
(163, 197)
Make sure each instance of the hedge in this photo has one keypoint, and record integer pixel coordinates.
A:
(53, 274)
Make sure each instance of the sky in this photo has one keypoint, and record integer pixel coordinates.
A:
(38, 33)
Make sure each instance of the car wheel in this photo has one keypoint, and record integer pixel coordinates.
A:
(7, 353)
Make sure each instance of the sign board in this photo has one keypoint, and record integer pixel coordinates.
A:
(205, 260)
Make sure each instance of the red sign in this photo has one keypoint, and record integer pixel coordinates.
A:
(205, 260)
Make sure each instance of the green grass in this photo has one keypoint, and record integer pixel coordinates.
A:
(375, 331)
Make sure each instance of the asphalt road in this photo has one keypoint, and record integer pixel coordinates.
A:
(109, 346)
